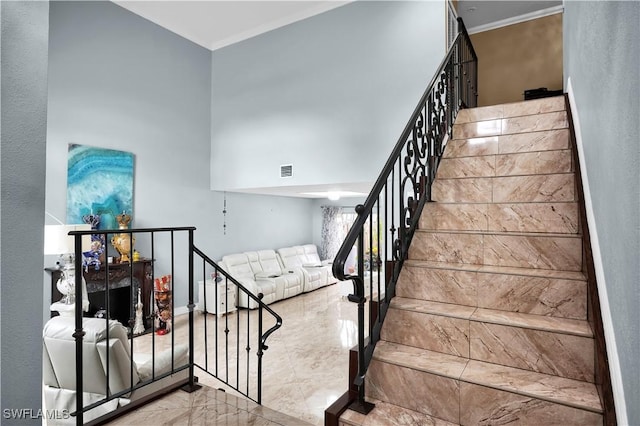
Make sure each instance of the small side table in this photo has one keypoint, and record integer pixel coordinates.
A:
(226, 297)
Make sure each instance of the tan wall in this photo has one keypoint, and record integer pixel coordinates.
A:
(518, 57)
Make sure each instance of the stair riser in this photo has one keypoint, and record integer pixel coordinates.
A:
(545, 352)
(516, 109)
(544, 252)
(531, 163)
(480, 406)
(549, 140)
(560, 218)
(512, 189)
(422, 392)
(534, 350)
(513, 125)
(432, 332)
(466, 403)
(516, 293)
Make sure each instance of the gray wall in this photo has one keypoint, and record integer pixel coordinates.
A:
(23, 49)
(601, 45)
(118, 81)
(329, 94)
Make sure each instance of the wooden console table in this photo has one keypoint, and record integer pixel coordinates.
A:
(122, 295)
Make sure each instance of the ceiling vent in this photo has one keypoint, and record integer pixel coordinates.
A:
(286, 171)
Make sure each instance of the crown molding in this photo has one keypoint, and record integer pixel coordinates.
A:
(517, 19)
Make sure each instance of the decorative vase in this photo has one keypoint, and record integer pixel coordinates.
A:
(123, 242)
(95, 256)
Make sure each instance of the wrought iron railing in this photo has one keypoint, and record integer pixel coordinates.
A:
(386, 222)
(235, 336)
(186, 265)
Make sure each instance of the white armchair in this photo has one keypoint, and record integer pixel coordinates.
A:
(238, 266)
(59, 366)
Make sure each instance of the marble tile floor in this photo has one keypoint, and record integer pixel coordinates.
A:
(305, 368)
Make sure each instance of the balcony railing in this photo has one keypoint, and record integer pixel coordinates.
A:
(228, 348)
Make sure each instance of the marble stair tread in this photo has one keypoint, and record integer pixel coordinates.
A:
(533, 322)
(386, 413)
(424, 360)
(433, 308)
(514, 109)
(511, 125)
(544, 140)
(492, 232)
(511, 164)
(508, 270)
(560, 390)
(512, 319)
(550, 187)
(540, 217)
(514, 249)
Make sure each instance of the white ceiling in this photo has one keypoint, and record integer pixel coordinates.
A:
(214, 24)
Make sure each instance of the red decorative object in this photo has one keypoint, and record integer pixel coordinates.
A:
(163, 298)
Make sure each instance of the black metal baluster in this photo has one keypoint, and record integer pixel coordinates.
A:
(192, 385)
(79, 331)
(260, 351)
(206, 309)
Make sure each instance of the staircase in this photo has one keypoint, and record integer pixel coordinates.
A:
(489, 323)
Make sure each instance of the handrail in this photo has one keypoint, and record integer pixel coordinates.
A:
(255, 298)
(400, 192)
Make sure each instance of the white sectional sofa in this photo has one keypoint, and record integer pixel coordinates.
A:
(278, 274)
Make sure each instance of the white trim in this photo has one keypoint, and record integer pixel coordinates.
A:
(517, 19)
(605, 309)
(275, 24)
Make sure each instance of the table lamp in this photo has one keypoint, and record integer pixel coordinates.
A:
(58, 242)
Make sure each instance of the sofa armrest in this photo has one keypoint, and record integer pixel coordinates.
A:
(163, 362)
(264, 274)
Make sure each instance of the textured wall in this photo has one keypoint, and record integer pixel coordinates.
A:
(601, 45)
(329, 94)
(24, 29)
(519, 57)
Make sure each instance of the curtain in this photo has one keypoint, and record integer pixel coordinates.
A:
(332, 232)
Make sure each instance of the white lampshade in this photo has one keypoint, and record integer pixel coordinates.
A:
(57, 241)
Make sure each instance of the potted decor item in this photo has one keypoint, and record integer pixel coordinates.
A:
(95, 256)
(123, 242)
(162, 295)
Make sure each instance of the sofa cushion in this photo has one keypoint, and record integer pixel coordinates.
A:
(238, 265)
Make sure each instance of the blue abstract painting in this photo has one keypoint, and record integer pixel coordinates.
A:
(100, 182)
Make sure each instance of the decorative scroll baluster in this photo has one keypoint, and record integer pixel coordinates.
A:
(405, 186)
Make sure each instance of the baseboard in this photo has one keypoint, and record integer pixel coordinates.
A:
(181, 310)
(605, 308)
